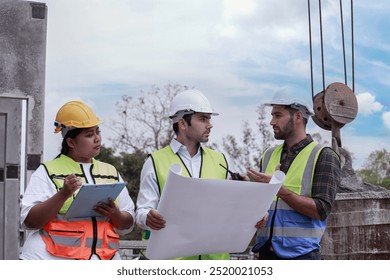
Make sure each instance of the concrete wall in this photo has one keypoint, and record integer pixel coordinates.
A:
(358, 227)
(22, 95)
(23, 27)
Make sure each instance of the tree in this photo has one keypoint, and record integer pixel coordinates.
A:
(376, 169)
(264, 129)
(254, 142)
(242, 154)
(143, 122)
(107, 155)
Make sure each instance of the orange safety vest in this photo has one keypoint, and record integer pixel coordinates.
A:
(76, 240)
(82, 238)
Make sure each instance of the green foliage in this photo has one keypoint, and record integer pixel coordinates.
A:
(131, 170)
(376, 169)
(107, 155)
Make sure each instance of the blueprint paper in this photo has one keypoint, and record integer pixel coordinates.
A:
(209, 215)
(89, 195)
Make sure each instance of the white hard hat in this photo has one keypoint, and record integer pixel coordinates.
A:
(189, 102)
(303, 106)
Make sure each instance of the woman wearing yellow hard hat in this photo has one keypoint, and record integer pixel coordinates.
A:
(54, 185)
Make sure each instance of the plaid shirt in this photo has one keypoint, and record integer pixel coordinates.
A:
(326, 177)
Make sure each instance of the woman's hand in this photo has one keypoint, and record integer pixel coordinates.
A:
(71, 184)
(110, 210)
(119, 219)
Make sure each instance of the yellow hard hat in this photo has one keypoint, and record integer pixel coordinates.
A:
(75, 114)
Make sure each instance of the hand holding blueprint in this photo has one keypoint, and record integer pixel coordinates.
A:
(209, 215)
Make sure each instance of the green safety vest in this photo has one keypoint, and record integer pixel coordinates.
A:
(63, 166)
(210, 169)
(294, 234)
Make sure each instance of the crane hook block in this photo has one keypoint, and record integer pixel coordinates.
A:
(337, 104)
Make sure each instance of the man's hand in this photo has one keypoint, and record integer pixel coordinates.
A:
(262, 222)
(256, 176)
(154, 220)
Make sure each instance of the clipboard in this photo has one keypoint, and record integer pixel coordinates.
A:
(89, 195)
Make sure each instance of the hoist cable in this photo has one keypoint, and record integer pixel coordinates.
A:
(353, 50)
(343, 41)
(322, 46)
(311, 51)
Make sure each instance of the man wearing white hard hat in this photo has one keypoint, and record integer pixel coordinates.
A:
(191, 113)
(298, 215)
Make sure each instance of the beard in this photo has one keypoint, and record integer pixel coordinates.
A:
(285, 131)
(204, 139)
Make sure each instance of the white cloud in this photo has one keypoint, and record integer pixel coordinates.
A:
(300, 67)
(386, 119)
(367, 104)
(233, 8)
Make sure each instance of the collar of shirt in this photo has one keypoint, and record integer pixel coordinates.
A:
(193, 164)
(299, 146)
(288, 156)
(87, 171)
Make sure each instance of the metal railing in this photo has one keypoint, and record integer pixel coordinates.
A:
(134, 249)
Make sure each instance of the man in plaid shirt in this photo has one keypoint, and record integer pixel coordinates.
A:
(298, 215)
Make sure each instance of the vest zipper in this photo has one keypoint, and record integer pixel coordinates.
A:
(95, 235)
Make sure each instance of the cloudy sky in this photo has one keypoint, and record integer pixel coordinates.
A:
(239, 53)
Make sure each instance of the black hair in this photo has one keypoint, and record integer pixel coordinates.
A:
(187, 119)
(292, 111)
(70, 134)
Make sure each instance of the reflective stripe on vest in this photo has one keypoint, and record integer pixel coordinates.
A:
(294, 234)
(210, 168)
(82, 238)
(63, 166)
